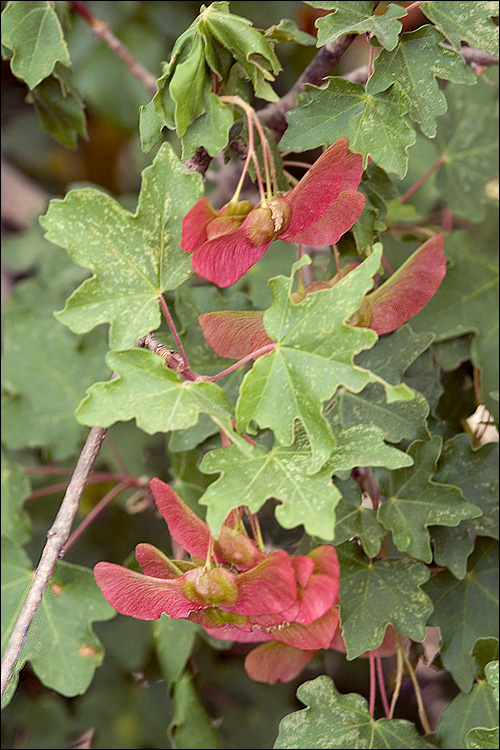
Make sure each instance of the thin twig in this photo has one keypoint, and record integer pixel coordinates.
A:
(421, 180)
(53, 550)
(253, 355)
(373, 686)
(101, 30)
(103, 502)
(173, 329)
(421, 708)
(399, 680)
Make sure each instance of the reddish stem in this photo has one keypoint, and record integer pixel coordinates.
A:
(108, 497)
(101, 31)
(82, 9)
(224, 439)
(414, 5)
(172, 327)
(447, 220)
(252, 355)
(96, 478)
(381, 682)
(421, 180)
(371, 707)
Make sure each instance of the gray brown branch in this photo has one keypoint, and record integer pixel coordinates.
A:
(57, 537)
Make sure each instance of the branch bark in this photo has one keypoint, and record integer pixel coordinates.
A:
(57, 537)
(273, 115)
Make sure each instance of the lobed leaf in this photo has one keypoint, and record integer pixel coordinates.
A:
(414, 501)
(414, 65)
(339, 721)
(33, 33)
(374, 122)
(357, 18)
(60, 644)
(456, 606)
(376, 594)
(133, 257)
(465, 22)
(313, 357)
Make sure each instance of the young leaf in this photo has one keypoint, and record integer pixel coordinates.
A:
(357, 18)
(456, 608)
(210, 130)
(313, 356)
(414, 502)
(134, 257)
(374, 122)
(465, 22)
(415, 64)
(33, 32)
(376, 594)
(280, 473)
(62, 649)
(145, 390)
(336, 721)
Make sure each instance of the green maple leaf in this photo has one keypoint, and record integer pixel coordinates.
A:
(390, 358)
(376, 594)
(33, 32)
(363, 445)
(16, 523)
(313, 357)
(374, 122)
(355, 521)
(415, 502)
(467, 301)
(415, 64)
(60, 644)
(44, 379)
(468, 147)
(134, 257)
(475, 472)
(456, 608)
(145, 390)
(357, 18)
(465, 22)
(465, 713)
(334, 720)
(280, 473)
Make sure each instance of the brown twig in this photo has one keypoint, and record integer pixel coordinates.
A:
(53, 550)
(101, 31)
